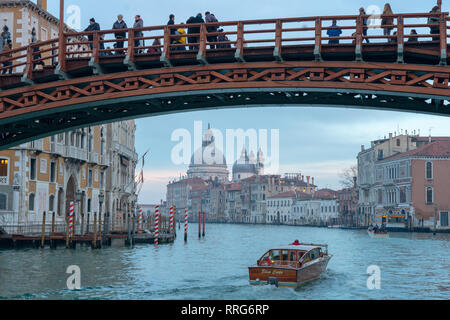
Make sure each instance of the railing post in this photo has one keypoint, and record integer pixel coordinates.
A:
(239, 55)
(443, 35)
(400, 39)
(318, 42)
(201, 56)
(165, 55)
(278, 40)
(129, 58)
(62, 49)
(358, 39)
(29, 66)
(96, 48)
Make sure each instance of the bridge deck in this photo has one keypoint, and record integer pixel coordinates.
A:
(77, 80)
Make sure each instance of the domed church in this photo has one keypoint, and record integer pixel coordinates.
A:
(247, 166)
(208, 162)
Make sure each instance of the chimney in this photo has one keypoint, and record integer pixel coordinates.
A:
(362, 148)
(307, 183)
(390, 136)
(312, 181)
(42, 4)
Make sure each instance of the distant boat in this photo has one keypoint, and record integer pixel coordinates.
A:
(290, 266)
(377, 233)
(336, 226)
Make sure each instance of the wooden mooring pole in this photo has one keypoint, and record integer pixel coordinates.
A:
(94, 241)
(43, 230)
(185, 225)
(199, 224)
(204, 218)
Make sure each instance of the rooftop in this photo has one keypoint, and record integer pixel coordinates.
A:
(436, 149)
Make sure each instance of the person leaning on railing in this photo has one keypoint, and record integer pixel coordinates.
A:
(335, 32)
(93, 26)
(138, 23)
(387, 21)
(435, 21)
(7, 55)
(118, 25)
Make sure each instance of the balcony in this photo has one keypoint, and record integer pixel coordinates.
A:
(57, 148)
(105, 160)
(93, 157)
(124, 150)
(36, 145)
(75, 153)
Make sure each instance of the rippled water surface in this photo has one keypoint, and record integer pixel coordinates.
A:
(413, 266)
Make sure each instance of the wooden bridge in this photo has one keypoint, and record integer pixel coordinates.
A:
(79, 80)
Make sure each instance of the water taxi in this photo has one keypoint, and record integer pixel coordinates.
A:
(375, 232)
(290, 266)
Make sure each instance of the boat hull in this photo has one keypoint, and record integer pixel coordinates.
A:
(378, 235)
(286, 276)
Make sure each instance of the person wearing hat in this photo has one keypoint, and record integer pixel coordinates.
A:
(93, 26)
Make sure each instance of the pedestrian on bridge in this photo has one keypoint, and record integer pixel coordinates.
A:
(387, 22)
(36, 50)
(7, 55)
(210, 18)
(191, 30)
(435, 21)
(138, 23)
(172, 30)
(120, 36)
(335, 32)
(93, 26)
(362, 12)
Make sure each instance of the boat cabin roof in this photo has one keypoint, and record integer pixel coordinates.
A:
(300, 247)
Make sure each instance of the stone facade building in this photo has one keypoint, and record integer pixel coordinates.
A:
(92, 166)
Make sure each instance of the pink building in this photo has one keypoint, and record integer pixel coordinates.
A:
(413, 188)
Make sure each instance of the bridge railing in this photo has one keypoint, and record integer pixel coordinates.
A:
(205, 39)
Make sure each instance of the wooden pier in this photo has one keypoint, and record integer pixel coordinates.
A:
(97, 235)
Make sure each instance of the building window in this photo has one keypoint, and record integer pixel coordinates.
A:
(429, 169)
(398, 142)
(32, 169)
(31, 202)
(52, 172)
(380, 154)
(3, 171)
(102, 179)
(51, 203)
(444, 219)
(3, 201)
(380, 196)
(89, 205)
(402, 194)
(429, 195)
(90, 178)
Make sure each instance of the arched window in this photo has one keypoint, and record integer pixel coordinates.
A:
(31, 202)
(3, 201)
(430, 195)
(51, 203)
(429, 170)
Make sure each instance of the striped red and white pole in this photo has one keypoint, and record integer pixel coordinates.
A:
(140, 217)
(185, 224)
(71, 219)
(171, 220)
(156, 224)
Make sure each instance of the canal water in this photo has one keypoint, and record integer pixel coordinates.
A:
(413, 266)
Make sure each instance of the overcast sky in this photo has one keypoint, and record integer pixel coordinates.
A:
(320, 142)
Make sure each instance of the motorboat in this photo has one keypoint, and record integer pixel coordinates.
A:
(290, 266)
